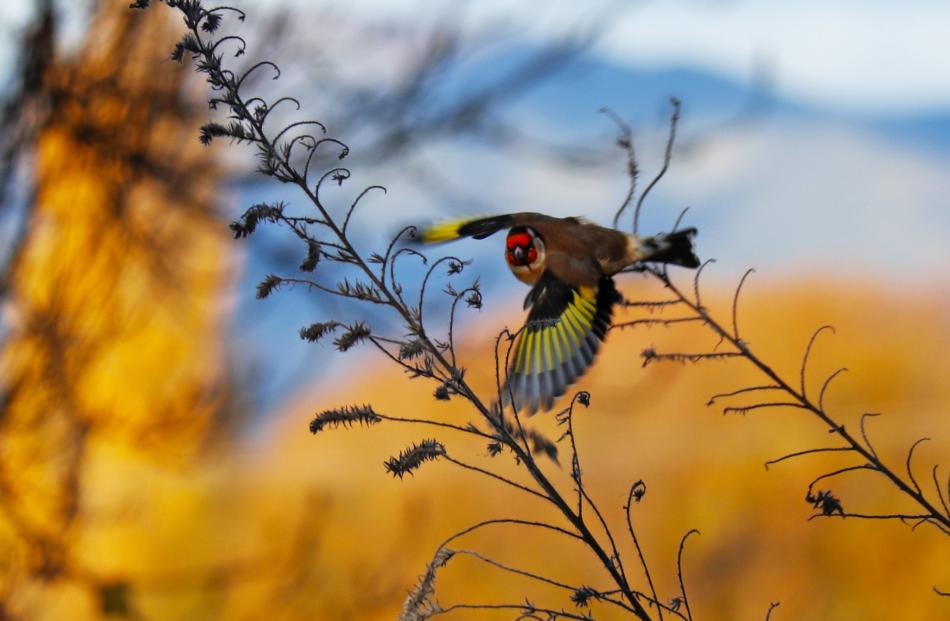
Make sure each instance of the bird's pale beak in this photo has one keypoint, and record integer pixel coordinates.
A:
(518, 253)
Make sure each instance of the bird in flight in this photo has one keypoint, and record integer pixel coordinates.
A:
(569, 264)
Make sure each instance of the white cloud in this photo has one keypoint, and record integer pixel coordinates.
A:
(823, 196)
(854, 53)
(868, 55)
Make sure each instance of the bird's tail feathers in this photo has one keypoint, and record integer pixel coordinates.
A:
(675, 248)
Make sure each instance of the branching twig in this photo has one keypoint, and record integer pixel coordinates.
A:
(799, 398)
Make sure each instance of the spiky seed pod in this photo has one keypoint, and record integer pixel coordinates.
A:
(582, 596)
(354, 335)
(413, 457)
(638, 491)
(267, 286)
(345, 417)
(316, 331)
(411, 350)
(255, 214)
(313, 257)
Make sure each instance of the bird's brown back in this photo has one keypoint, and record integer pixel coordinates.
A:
(577, 237)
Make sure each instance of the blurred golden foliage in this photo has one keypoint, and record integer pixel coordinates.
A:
(114, 302)
(702, 469)
(291, 526)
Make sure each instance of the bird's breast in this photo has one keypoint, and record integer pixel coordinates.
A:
(526, 274)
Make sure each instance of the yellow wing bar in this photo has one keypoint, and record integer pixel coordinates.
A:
(444, 231)
(558, 344)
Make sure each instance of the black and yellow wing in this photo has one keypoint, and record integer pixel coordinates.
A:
(478, 228)
(565, 328)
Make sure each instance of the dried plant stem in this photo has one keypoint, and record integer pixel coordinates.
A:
(802, 401)
(526, 609)
(276, 162)
(636, 542)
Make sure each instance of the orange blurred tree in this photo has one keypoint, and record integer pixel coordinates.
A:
(110, 290)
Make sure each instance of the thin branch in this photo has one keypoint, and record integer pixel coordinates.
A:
(514, 570)
(735, 308)
(356, 201)
(525, 608)
(725, 395)
(650, 355)
(824, 387)
(495, 476)
(699, 272)
(458, 297)
(626, 143)
(507, 384)
(839, 472)
(929, 520)
(436, 423)
(268, 108)
(864, 434)
(874, 516)
(534, 576)
(667, 158)
(650, 305)
(514, 521)
(650, 322)
(423, 289)
(745, 409)
(636, 493)
(939, 488)
(567, 416)
(830, 449)
(804, 367)
(295, 125)
(679, 572)
(910, 471)
(406, 230)
(679, 220)
(617, 560)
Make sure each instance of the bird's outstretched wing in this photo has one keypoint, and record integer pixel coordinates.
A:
(479, 228)
(563, 333)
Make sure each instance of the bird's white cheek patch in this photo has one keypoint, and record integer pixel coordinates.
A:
(538, 263)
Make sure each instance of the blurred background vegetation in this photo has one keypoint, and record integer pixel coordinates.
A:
(154, 458)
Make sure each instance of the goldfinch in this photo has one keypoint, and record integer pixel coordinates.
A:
(569, 264)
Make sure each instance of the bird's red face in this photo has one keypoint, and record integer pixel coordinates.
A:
(520, 248)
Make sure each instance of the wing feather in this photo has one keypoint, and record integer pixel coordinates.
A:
(478, 228)
(560, 340)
